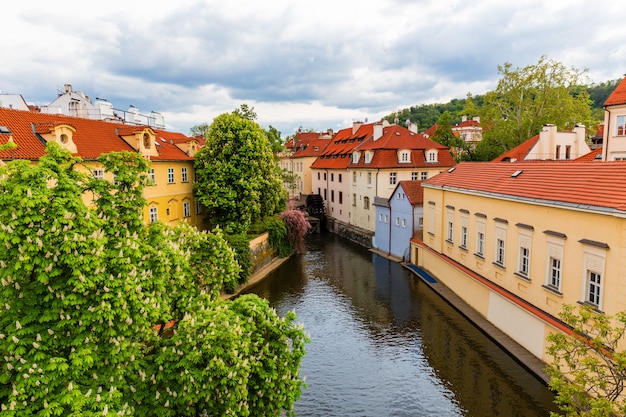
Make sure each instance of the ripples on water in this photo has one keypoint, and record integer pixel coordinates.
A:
(383, 344)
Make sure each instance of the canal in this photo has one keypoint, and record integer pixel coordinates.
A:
(384, 344)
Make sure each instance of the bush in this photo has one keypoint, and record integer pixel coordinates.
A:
(241, 245)
(298, 227)
(278, 235)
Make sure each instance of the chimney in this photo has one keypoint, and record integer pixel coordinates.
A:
(413, 127)
(476, 119)
(68, 88)
(463, 119)
(356, 126)
(378, 131)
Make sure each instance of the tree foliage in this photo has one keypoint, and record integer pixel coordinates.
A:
(88, 293)
(239, 181)
(588, 371)
(298, 227)
(526, 99)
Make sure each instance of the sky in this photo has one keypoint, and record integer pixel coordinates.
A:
(313, 65)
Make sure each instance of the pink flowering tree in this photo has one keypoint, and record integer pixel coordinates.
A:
(298, 227)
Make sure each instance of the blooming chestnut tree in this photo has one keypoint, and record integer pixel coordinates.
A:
(100, 314)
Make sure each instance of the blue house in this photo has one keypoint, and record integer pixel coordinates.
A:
(398, 218)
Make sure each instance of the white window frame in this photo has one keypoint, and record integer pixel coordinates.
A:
(414, 176)
(450, 225)
(405, 157)
(431, 218)
(500, 249)
(393, 178)
(98, 173)
(154, 214)
(593, 276)
(481, 225)
(620, 125)
(183, 175)
(554, 264)
(524, 241)
(464, 221)
(424, 175)
(186, 209)
(198, 207)
(170, 176)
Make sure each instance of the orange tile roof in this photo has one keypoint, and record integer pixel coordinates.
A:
(307, 144)
(519, 152)
(591, 185)
(618, 96)
(337, 155)
(591, 156)
(413, 191)
(92, 137)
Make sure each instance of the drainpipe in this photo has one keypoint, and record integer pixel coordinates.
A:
(605, 146)
(389, 240)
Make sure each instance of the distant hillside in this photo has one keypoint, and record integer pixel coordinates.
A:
(426, 115)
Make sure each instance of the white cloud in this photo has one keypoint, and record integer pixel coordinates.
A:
(317, 65)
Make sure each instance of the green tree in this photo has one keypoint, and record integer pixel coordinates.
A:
(199, 130)
(239, 180)
(588, 370)
(88, 294)
(525, 99)
(469, 109)
(276, 143)
(445, 136)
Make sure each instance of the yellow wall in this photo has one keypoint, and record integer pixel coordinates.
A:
(583, 230)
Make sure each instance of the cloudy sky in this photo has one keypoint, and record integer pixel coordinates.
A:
(318, 64)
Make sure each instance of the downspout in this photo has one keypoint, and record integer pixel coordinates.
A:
(389, 240)
(605, 146)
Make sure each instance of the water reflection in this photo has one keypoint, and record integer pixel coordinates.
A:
(384, 344)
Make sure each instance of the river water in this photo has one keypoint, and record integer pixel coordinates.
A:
(384, 344)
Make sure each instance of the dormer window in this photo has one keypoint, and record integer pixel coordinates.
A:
(64, 139)
(146, 141)
(368, 157)
(431, 156)
(405, 156)
(355, 157)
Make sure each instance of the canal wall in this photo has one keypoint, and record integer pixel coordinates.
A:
(350, 232)
(261, 252)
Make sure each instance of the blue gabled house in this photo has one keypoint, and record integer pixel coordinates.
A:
(398, 218)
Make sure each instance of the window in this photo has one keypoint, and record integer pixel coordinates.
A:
(354, 199)
(524, 241)
(568, 151)
(183, 175)
(405, 157)
(366, 203)
(450, 225)
(380, 217)
(392, 178)
(146, 141)
(198, 207)
(170, 175)
(414, 176)
(424, 175)
(318, 176)
(154, 214)
(332, 177)
(332, 196)
(621, 125)
(324, 176)
(593, 271)
(186, 209)
(386, 218)
(340, 178)
(98, 173)
(500, 241)
(480, 234)
(403, 222)
(558, 152)
(464, 222)
(555, 262)
(353, 177)
(431, 156)
(554, 279)
(152, 176)
(369, 178)
(340, 197)
(500, 251)
(524, 261)
(397, 221)
(355, 158)
(368, 157)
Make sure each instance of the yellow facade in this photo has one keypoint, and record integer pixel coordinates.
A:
(531, 259)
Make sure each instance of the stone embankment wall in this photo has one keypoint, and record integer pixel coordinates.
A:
(261, 253)
(355, 234)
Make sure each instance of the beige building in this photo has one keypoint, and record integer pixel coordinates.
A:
(518, 241)
(302, 150)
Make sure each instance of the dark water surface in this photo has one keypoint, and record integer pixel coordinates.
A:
(384, 344)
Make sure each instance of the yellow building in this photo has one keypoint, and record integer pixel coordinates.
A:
(170, 199)
(516, 241)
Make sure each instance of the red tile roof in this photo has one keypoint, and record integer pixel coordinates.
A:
(92, 137)
(570, 183)
(618, 96)
(520, 152)
(307, 144)
(338, 153)
(413, 191)
(591, 156)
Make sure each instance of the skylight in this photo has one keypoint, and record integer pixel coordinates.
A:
(4, 129)
(516, 173)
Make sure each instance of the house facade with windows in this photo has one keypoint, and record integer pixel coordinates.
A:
(518, 241)
(398, 219)
(550, 145)
(614, 133)
(388, 155)
(302, 150)
(330, 177)
(170, 196)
